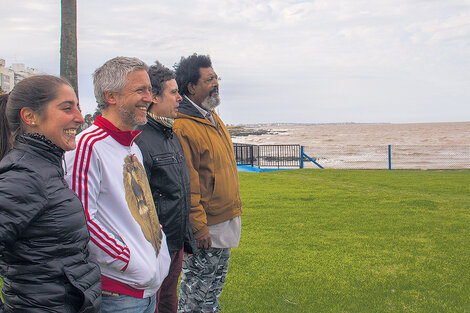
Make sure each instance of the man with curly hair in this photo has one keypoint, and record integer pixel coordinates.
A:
(215, 197)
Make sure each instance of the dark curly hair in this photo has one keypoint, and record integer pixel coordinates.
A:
(187, 70)
(159, 74)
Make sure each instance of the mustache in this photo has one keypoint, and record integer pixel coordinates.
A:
(215, 89)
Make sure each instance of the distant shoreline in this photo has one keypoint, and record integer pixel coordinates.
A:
(260, 129)
(334, 123)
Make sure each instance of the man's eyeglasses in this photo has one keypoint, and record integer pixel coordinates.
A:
(211, 79)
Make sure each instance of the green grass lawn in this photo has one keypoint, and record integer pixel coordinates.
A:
(352, 241)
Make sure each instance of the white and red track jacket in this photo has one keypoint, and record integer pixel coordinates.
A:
(128, 262)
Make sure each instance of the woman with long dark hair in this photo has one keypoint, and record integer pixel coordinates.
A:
(44, 260)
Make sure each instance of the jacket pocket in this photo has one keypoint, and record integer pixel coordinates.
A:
(161, 207)
(164, 159)
(83, 286)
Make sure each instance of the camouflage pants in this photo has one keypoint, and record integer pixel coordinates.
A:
(202, 280)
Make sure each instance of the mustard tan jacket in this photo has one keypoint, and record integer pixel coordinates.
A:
(208, 150)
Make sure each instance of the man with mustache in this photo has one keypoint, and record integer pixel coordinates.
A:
(106, 173)
(215, 197)
(168, 176)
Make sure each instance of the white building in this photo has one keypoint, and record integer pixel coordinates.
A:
(22, 72)
(9, 76)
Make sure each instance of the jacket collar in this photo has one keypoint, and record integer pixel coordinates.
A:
(187, 108)
(168, 132)
(125, 138)
(41, 145)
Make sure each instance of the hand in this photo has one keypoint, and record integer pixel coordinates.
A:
(204, 242)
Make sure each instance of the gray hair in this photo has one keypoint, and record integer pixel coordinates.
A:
(112, 76)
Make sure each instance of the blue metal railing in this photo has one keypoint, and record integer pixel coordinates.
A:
(303, 155)
(355, 156)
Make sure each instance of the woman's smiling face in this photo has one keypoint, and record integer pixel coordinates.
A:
(60, 119)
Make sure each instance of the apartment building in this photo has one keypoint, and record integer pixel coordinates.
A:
(9, 76)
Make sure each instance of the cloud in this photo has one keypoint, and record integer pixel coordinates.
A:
(281, 60)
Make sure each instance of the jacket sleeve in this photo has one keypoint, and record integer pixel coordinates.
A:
(22, 199)
(189, 245)
(197, 215)
(84, 178)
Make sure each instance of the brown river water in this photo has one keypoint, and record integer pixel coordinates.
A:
(365, 146)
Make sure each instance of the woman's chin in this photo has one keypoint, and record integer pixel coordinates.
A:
(68, 144)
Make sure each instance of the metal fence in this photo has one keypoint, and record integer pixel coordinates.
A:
(268, 156)
(425, 157)
(244, 154)
(355, 156)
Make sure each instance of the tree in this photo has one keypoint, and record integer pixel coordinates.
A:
(68, 42)
(89, 119)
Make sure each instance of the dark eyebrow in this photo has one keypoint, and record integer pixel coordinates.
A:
(67, 102)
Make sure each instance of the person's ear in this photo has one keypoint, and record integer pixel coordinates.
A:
(191, 89)
(111, 97)
(155, 99)
(29, 117)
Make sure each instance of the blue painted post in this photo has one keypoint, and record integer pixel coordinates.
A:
(312, 160)
(389, 157)
(301, 156)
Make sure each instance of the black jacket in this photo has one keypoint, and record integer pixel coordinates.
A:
(43, 234)
(168, 177)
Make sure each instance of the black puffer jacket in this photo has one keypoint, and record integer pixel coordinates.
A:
(168, 177)
(43, 234)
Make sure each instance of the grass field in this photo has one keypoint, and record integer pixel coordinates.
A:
(352, 241)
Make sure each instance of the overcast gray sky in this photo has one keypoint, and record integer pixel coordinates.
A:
(318, 61)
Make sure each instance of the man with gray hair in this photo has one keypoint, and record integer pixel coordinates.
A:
(106, 173)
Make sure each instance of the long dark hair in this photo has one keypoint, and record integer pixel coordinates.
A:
(4, 130)
(33, 92)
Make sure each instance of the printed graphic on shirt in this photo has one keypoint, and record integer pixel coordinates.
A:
(140, 201)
